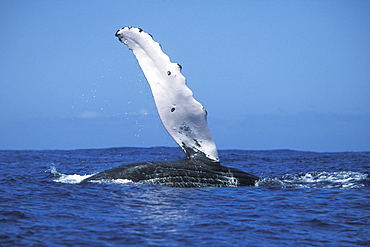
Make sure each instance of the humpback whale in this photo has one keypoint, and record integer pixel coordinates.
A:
(184, 118)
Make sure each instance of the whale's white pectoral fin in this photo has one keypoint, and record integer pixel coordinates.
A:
(184, 118)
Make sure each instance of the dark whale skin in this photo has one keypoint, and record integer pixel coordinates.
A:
(186, 173)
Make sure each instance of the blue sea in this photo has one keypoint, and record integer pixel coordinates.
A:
(304, 199)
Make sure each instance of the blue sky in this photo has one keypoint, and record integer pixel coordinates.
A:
(271, 74)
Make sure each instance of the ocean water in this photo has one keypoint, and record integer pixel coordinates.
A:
(304, 199)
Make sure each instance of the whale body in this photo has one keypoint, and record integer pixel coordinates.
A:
(184, 173)
(184, 118)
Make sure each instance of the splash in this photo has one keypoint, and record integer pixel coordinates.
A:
(76, 179)
(67, 179)
(323, 180)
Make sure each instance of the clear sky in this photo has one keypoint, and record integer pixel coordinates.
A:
(271, 74)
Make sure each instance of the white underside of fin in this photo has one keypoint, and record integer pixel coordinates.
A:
(184, 118)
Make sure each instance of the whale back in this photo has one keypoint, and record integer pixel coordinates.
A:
(184, 118)
(187, 173)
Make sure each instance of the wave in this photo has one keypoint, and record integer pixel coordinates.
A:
(323, 180)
